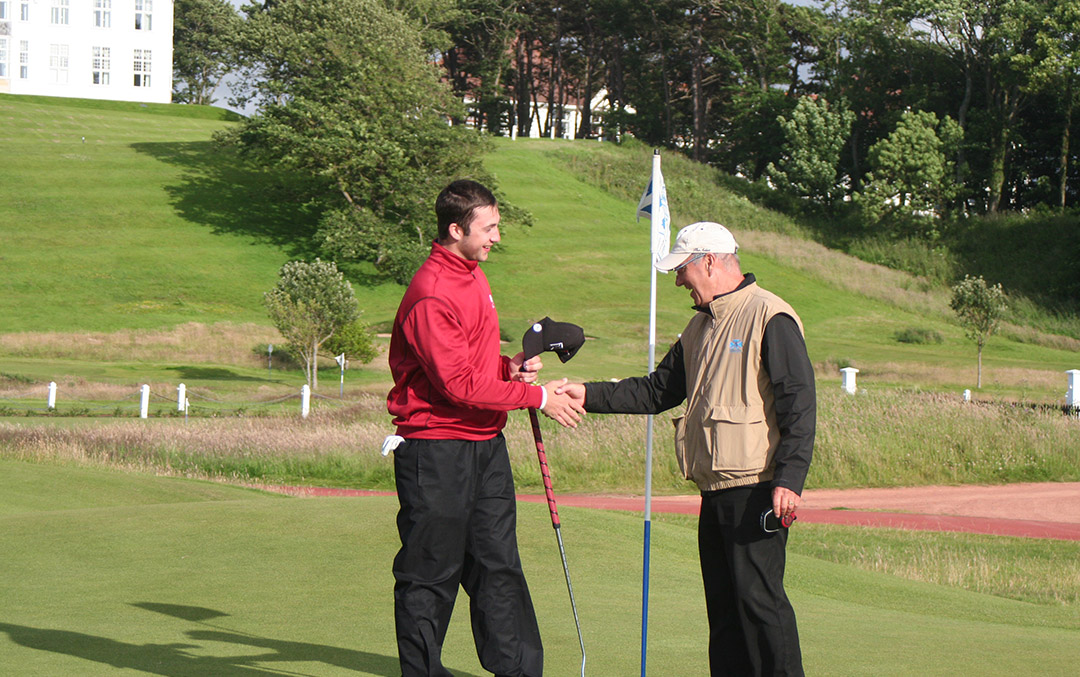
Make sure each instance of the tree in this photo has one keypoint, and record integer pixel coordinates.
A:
(814, 135)
(479, 63)
(310, 302)
(355, 341)
(979, 308)
(346, 95)
(204, 48)
(983, 39)
(1054, 68)
(911, 173)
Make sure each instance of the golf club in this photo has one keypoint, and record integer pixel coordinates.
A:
(554, 510)
(564, 340)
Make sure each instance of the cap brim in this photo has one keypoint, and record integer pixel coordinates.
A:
(671, 262)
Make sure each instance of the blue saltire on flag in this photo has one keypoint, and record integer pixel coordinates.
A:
(661, 226)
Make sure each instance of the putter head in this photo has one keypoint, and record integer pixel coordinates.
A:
(562, 338)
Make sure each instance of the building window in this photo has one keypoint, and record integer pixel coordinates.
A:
(24, 59)
(143, 11)
(58, 64)
(102, 13)
(3, 57)
(142, 67)
(61, 12)
(24, 11)
(4, 11)
(102, 64)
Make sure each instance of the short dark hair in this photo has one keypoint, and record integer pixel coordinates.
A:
(457, 202)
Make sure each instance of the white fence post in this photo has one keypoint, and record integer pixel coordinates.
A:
(181, 397)
(847, 379)
(52, 394)
(967, 394)
(1072, 396)
(144, 402)
(305, 401)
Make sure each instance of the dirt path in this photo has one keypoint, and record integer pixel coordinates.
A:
(1043, 510)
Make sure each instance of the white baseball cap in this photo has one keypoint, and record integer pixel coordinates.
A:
(703, 237)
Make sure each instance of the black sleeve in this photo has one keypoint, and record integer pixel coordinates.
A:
(783, 356)
(652, 394)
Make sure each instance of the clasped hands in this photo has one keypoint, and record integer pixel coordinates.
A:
(565, 401)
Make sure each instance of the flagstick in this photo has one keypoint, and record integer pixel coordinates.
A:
(654, 215)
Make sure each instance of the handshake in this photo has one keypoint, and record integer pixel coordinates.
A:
(565, 401)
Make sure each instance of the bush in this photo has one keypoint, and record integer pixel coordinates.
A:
(355, 340)
(918, 335)
(910, 255)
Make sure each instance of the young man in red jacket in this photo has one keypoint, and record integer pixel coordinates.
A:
(452, 389)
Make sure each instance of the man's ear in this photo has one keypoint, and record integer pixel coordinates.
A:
(455, 232)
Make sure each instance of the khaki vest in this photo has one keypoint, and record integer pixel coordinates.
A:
(729, 434)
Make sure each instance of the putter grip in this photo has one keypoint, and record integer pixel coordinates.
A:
(544, 471)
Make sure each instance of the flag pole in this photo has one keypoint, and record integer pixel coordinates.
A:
(655, 213)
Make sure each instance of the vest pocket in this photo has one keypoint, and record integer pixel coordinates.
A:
(738, 438)
(680, 444)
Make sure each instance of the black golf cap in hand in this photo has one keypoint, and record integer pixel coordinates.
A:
(561, 338)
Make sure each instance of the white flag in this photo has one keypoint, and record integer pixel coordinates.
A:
(661, 222)
(341, 360)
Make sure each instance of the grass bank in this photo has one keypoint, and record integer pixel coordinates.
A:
(882, 438)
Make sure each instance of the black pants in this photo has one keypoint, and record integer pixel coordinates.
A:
(457, 525)
(751, 623)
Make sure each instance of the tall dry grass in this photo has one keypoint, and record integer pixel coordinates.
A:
(881, 438)
(1031, 570)
(897, 288)
(926, 375)
(910, 438)
(219, 343)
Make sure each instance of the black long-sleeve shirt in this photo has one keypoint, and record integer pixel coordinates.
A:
(783, 357)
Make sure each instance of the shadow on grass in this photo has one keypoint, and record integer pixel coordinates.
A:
(220, 190)
(212, 374)
(183, 659)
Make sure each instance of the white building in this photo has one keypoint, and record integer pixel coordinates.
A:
(93, 49)
(573, 111)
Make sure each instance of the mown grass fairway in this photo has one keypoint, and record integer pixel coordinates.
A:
(175, 577)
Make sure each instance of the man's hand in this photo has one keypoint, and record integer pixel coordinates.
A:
(574, 390)
(525, 370)
(562, 407)
(784, 502)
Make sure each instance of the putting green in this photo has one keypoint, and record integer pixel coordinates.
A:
(173, 577)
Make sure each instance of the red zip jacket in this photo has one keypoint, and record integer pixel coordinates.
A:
(450, 379)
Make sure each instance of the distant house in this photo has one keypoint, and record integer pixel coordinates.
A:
(539, 109)
(94, 49)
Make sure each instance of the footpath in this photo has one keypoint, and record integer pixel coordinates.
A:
(1033, 510)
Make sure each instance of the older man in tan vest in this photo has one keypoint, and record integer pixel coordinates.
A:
(746, 440)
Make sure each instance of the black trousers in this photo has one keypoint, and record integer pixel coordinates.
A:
(457, 524)
(752, 627)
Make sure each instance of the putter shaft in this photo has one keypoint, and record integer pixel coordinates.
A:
(545, 473)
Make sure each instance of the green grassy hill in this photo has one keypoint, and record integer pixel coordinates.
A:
(125, 219)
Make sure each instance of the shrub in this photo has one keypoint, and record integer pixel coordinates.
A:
(355, 340)
(918, 335)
